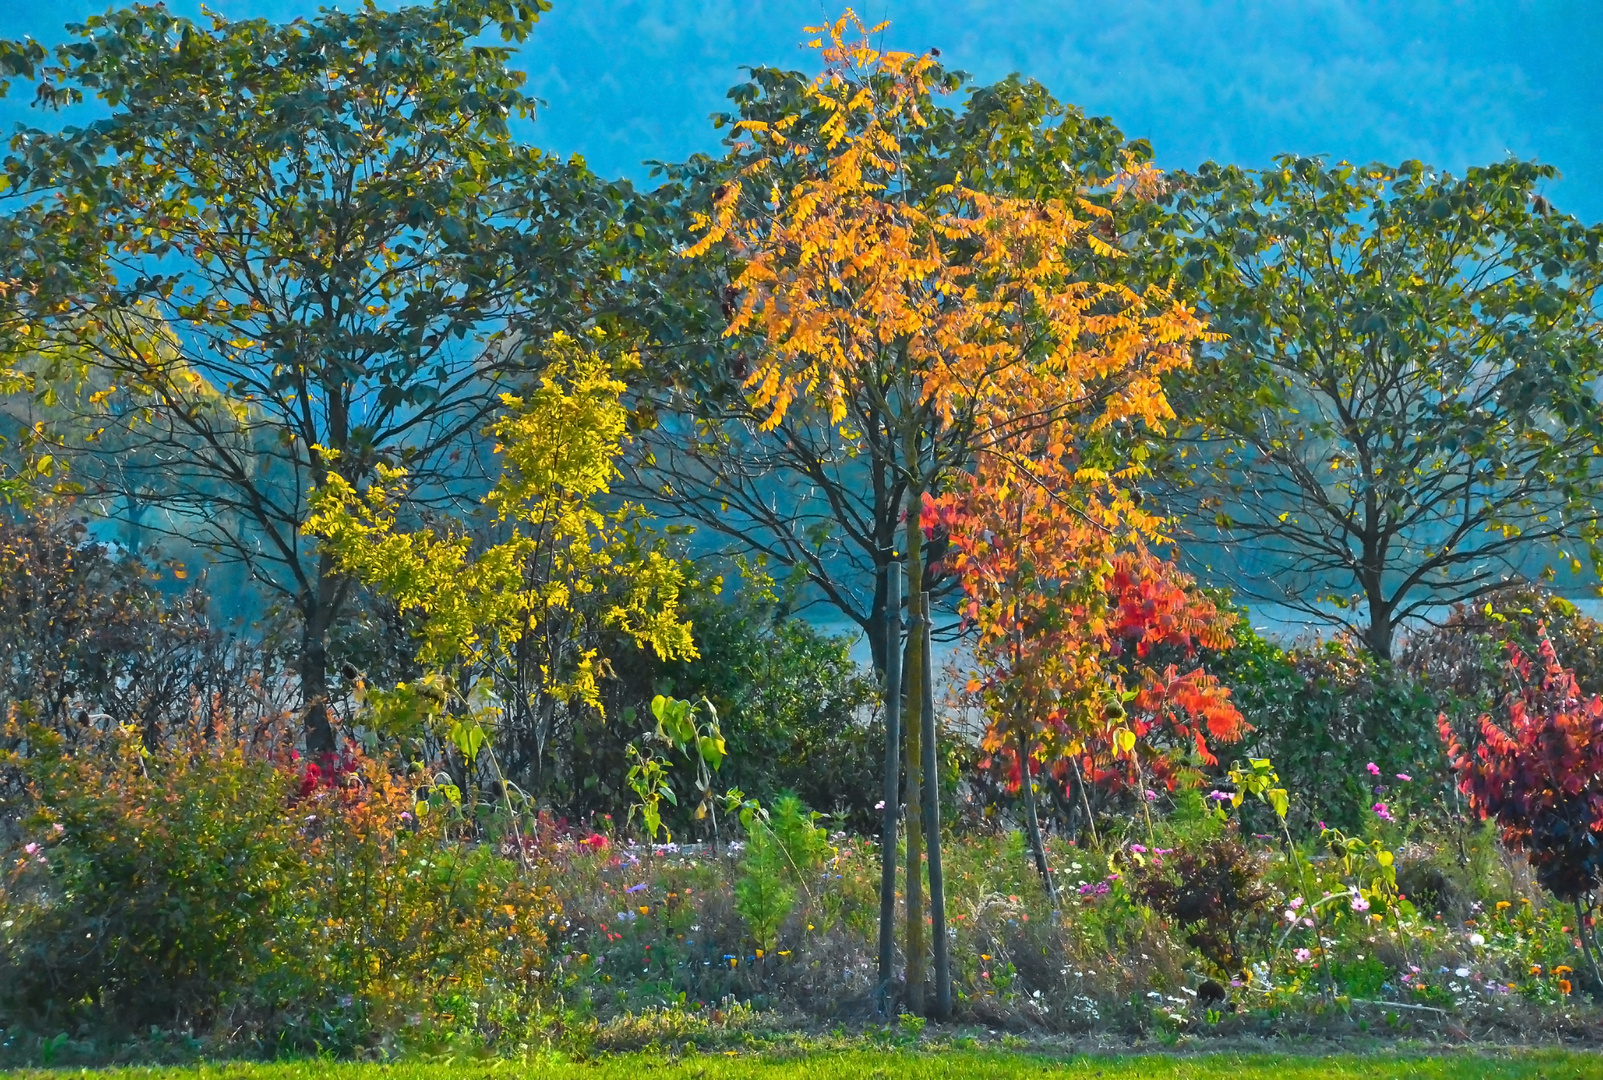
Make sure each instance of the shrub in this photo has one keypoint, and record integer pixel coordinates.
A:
(1464, 660)
(785, 852)
(155, 890)
(316, 906)
(797, 714)
(88, 638)
(1322, 713)
(1538, 772)
(1212, 892)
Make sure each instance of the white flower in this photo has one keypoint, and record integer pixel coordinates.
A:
(1462, 973)
(1477, 940)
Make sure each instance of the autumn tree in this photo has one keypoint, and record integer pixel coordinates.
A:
(823, 508)
(1069, 609)
(889, 310)
(289, 253)
(511, 631)
(1402, 414)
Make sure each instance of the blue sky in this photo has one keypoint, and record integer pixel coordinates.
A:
(1453, 82)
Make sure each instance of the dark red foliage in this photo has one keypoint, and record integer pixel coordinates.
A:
(1538, 771)
(1211, 893)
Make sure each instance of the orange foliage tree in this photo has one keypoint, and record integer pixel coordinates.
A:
(1069, 608)
(952, 312)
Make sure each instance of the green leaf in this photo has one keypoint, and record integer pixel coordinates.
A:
(1278, 799)
(712, 751)
(468, 737)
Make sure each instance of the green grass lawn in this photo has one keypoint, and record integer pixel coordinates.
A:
(896, 1065)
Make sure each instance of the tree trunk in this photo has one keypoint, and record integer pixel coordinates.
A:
(914, 743)
(932, 828)
(319, 606)
(893, 785)
(318, 731)
(914, 765)
(1033, 822)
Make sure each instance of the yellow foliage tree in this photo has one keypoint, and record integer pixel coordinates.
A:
(524, 613)
(957, 313)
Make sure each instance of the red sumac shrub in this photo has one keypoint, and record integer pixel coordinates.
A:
(1538, 771)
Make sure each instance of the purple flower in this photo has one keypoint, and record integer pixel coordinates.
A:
(1219, 796)
(637, 888)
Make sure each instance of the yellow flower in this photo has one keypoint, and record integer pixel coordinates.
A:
(759, 954)
(645, 910)
(1501, 904)
(1563, 969)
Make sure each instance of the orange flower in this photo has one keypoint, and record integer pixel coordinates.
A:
(1564, 986)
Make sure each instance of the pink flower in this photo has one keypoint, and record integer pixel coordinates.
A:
(1382, 812)
(1303, 956)
(31, 849)
(1404, 777)
(1358, 903)
(1374, 770)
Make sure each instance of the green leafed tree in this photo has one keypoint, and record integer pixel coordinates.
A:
(1404, 415)
(288, 239)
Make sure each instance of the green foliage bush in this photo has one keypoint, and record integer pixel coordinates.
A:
(1322, 713)
(797, 715)
(785, 852)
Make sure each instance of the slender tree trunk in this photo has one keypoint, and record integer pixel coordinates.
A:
(1032, 822)
(914, 742)
(893, 783)
(1584, 932)
(932, 827)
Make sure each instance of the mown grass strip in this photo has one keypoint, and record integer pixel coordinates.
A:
(901, 1065)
